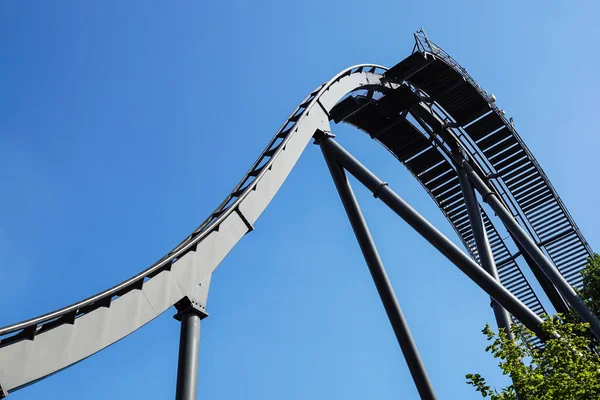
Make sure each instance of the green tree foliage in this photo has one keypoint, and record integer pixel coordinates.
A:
(567, 367)
(590, 291)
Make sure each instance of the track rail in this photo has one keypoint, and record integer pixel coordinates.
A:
(427, 106)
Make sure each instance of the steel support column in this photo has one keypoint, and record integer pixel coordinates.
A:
(486, 258)
(382, 283)
(435, 237)
(190, 311)
(189, 345)
(533, 250)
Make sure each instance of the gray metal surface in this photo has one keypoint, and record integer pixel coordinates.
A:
(379, 275)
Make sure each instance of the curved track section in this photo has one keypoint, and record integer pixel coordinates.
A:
(425, 111)
(36, 348)
(439, 113)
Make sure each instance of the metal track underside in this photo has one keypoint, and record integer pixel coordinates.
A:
(437, 105)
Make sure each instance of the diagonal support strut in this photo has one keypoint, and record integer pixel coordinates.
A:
(435, 237)
(382, 283)
(486, 258)
(563, 287)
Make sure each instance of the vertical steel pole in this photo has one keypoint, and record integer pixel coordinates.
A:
(531, 248)
(191, 309)
(435, 237)
(189, 345)
(486, 258)
(382, 283)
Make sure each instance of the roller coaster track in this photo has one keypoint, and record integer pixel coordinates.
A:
(423, 110)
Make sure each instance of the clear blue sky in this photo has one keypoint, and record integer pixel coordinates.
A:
(124, 124)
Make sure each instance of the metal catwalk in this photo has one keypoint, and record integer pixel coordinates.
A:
(447, 131)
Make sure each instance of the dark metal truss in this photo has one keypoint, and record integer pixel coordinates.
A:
(525, 188)
(437, 110)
